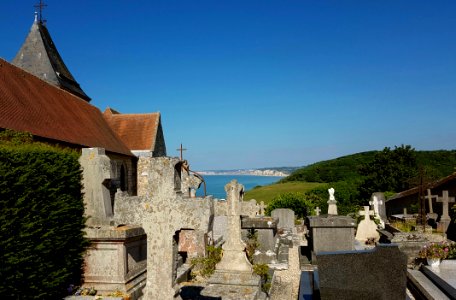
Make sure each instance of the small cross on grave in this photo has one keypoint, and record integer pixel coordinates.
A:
(366, 213)
(429, 197)
(376, 203)
(445, 201)
(317, 211)
(262, 207)
(181, 151)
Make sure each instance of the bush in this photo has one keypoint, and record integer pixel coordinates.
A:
(205, 266)
(41, 237)
(294, 201)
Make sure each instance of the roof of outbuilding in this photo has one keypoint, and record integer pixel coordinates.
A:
(30, 104)
(416, 190)
(39, 56)
(137, 131)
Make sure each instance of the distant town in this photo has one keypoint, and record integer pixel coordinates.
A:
(252, 172)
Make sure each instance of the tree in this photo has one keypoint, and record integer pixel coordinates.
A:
(390, 170)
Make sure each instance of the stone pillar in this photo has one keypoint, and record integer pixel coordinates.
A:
(96, 172)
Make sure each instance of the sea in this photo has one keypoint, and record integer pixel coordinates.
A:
(215, 184)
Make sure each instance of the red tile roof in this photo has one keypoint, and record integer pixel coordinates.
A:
(30, 104)
(137, 131)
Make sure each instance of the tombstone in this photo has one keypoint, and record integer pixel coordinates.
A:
(429, 197)
(445, 219)
(378, 202)
(262, 207)
(317, 211)
(286, 218)
(367, 228)
(234, 272)
(266, 232)
(331, 233)
(332, 203)
(162, 213)
(363, 274)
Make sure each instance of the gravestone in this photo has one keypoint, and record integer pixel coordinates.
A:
(429, 197)
(262, 207)
(374, 274)
(445, 219)
(332, 203)
(286, 217)
(317, 211)
(378, 203)
(331, 233)
(367, 228)
(234, 272)
(265, 229)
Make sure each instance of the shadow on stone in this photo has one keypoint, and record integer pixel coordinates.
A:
(194, 293)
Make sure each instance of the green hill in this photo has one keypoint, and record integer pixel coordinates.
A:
(439, 163)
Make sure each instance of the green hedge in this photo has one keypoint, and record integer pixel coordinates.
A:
(41, 221)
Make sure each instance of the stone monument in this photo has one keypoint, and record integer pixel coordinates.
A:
(431, 214)
(367, 228)
(332, 207)
(234, 272)
(445, 219)
(378, 203)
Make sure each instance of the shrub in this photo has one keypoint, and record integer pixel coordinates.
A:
(205, 266)
(294, 201)
(41, 237)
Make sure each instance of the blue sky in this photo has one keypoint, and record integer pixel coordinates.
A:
(248, 84)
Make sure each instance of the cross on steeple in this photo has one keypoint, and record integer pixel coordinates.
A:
(181, 151)
(40, 7)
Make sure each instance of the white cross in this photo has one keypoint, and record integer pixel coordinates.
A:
(317, 211)
(445, 200)
(430, 197)
(376, 203)
(366, 213)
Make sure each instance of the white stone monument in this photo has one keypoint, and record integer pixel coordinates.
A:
(376, 203)
(332, 203)
(367, 229)
(445, 218)
(431, 214)
(317, 211)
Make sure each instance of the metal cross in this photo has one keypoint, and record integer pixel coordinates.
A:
(181, 151)
(40, 6)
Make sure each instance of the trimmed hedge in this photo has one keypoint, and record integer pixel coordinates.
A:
(41, 221)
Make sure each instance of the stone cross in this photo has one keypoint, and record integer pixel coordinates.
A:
(376, 203)
(332, 207)
(430, 197)
(317, 211)
(366, 213)
(262, 207)
(234, 258)
(405, 211)
(445, 201)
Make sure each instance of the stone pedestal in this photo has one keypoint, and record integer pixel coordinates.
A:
(116, 260)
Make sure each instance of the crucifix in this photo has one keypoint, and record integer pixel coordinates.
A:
(366, 213)
(445, 201)
(181, 151)
(429, 196)
(40, 7)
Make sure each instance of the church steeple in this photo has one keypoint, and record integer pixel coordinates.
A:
(39, 56)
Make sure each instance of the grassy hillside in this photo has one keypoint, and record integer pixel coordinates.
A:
(268, 192)
(438, 164)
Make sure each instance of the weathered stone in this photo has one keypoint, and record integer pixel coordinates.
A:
(332, 203)
(363, 274)
(331, 233)
(286, 217)
(367, 229)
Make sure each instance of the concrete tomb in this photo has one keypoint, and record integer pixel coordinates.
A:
(286, 218)
(265, 229)
(332, 203)
(331, 233)
(367, 229)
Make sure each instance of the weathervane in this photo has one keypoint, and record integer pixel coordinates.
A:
(40, 7)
